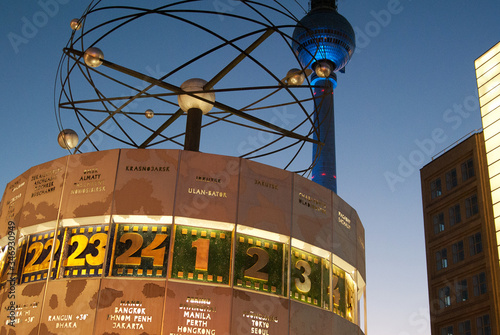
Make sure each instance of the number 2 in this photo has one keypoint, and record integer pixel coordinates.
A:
(262, 260)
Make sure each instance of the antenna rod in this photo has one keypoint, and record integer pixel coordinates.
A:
(327, 4)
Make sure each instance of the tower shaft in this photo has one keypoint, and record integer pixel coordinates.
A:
(324, 41)
(324, 171)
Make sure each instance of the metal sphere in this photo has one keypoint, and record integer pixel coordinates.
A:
(323, 69)
(125, 85)
(324, 34)
(186, 102)
(295, 77)
(67, 139)
(149, 113)
(75, 24)
(93, 57)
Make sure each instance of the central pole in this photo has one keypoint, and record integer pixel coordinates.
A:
(193, 130)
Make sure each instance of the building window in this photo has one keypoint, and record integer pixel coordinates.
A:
(436, 188)
(451, 179)
(479, 283)
(444, 297)
(475, 244)
(461, 291)
(442, 259)
(471, 206)
(447, 330)
(464, 328)
(467, 170)
(458, 251)
(438, 221)
(455, 216)
(483, 325)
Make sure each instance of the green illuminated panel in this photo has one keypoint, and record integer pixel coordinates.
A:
(36, 263)
(84, 251)
(339, 291)
(325, 286)
(5, 261)
(309, 278)
(201, 254)
(351, 299)
(260, 264)
(140, 250)
(20, 256)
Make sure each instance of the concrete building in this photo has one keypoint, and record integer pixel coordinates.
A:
(461, 205)
(462, 262)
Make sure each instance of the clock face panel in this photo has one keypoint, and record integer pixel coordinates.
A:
(140, 250)
(261, 264)
(202, 254)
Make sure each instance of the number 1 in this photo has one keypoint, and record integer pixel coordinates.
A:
(202, 246)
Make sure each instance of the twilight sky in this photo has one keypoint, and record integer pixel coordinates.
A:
(408, 93)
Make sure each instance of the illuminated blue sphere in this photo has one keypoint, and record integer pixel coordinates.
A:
(324, 34)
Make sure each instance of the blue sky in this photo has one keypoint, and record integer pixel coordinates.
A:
(408, 93)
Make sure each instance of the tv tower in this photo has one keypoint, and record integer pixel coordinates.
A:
(324, 41)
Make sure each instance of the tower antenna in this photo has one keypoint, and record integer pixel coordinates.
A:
(326, 4)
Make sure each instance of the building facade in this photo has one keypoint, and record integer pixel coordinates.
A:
(461, 204)
(488, 83)
(462, 258)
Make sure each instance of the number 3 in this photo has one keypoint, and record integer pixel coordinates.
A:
(306, 285)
